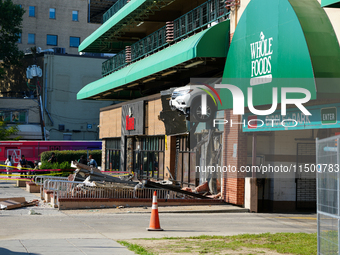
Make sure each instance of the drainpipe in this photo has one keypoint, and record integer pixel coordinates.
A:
(238, 3)
(89, 12)
(45, 97)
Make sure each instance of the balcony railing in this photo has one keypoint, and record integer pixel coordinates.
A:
(116, 62)
(197, 19)
(114, 9)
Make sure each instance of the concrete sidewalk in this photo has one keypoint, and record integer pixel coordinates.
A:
(8, 189)
(24, 236)
(63, 247)
(94, 231)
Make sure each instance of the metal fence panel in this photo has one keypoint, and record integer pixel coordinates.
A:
(327, 152)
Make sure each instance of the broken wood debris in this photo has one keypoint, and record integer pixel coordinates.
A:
(13, 203)
(151, 184)
(91, 174)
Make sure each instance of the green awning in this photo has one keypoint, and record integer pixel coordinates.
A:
(330, 3)
(212, 42)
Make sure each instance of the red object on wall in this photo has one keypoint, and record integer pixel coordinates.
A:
(253, 122)
(130, 123)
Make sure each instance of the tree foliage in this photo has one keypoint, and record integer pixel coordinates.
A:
(6, 132)
(10, 29)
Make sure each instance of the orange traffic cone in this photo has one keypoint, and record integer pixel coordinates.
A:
(154, 221)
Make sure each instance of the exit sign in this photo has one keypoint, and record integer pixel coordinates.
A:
(328, 116)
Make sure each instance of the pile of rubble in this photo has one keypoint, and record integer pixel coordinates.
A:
(94, 177)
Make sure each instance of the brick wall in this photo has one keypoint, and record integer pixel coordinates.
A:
(235, 155)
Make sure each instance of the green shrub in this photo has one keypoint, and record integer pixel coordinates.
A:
(68, 156)
(62, 165)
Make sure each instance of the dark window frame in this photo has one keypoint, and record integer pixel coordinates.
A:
(31, 11)
(28, 40)
(20, 38)
(52, 12)
(77, 17)
(149, 154)
(112, 154)
(50, 44)
(72, 37)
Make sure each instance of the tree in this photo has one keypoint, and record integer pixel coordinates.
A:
(6, 131)
(10, 29)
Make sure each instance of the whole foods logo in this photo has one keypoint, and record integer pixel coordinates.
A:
(261, 55)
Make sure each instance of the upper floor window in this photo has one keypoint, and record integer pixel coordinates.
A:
(75, 15)
(74, 41)
(52, 40)
(31, 39)
(20, 39)
(52, 13)
(31, 11)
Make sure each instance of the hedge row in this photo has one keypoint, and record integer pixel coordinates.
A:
(69, 156)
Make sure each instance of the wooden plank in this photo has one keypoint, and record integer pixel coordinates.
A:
(16, 199)
(10, 204)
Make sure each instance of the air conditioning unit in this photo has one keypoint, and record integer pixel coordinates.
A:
(59, 50)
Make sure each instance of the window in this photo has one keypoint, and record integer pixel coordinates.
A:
(52, 40)
(31, 11)
(148, 160)
(13, 116)
(19, 39)
(74, 41)
(67, 136)
(112, 152)
(31, 39)
(52, 13)
(75, 15)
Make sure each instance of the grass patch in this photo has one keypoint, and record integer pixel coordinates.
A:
(293, 243)
(136, 248)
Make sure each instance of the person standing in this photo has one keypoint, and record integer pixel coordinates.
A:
(9, 163)
(82, 160)
(53, 158)
(23, 164)
(92, 162)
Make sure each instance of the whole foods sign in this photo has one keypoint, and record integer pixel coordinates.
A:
(261, 68)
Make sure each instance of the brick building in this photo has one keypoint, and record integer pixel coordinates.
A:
(162, 44)
(59, 24)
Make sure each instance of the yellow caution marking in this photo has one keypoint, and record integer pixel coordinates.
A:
(296, 218)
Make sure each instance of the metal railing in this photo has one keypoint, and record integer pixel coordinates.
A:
(149, 44)
(114, 63)
(197, 19)
(39, 179)
(114, 9)
(72, 189)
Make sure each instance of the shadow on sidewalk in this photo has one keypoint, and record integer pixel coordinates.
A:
(4, 251)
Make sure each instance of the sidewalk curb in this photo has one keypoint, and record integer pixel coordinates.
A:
(209, 211)
(193, 211)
